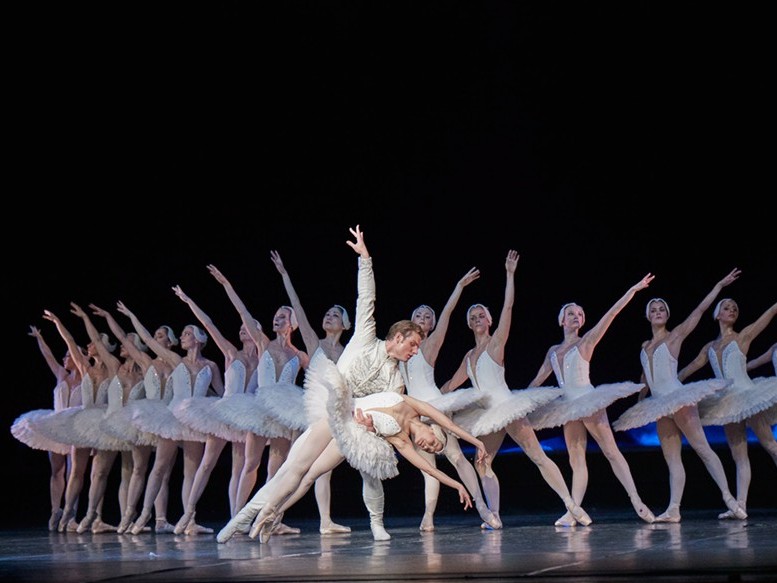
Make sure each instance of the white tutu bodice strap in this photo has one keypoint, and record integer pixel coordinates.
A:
(667, 393)
(744, 397)
(363, 450)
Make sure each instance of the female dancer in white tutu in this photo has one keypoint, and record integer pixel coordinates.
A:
(418, 374)
(192, 375)
(370, 365)
(67, 393)
(503, 411)
(745, 402)
(158, 386)
(672, 405)
(197, 412)
(80, 427)
(335, 322)
(122, 394)
(583, 407)
(279, 365)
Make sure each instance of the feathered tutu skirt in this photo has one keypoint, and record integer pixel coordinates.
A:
(362, 449)
(198, 413)
(154, 416)
(22, 429)
(285, 404)
(457, 400)
(586, 402)
(657, 406)
(80, 427)
(120, 425)
(244, 412)
(492, 414)
(735, 404)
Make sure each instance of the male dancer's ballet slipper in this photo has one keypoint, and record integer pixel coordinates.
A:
(672, 514)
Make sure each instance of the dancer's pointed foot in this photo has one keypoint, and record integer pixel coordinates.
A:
(735, 510)
(427, 522)
(163, 527)
(141, 522)
(54, 519)
(566, 520)
(333, 528)
(126, 521)
(99, 527)
(68, 515)
(672, 514)
(193, 529)
(86, 522)
(580, 515)
(265, 517)
(183, 522)
(490, 520)
(643, 511)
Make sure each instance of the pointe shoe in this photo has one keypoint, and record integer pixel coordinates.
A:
(566, 520)
(126, 522)
(490, 521)
(580, 515)
(68, 515)
(734, 510)
(194, 529)
(99, 527)
(163, 527)
(140, 523)
(427, 523)
(240, 523)
(643, 511)
(264, 519)
(183, 522)
(672, 514)
(72, 525)
(282, 529)
(56, 516)
(334, 528)
(86, 522)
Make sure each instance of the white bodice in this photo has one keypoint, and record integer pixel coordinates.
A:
(661, 374)
(732, 366)
(65, 397)
(116, 397)
(266, 371)
(182, 383)
(88, 396)
(235, 381)
(488, 376)
(419, 378)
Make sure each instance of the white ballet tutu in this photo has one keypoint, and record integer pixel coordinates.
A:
(363, 450)
(244, 412)
(120, 425)
(60, 427)
(586, 402)
(285, 404)
(198, 413)
(22, 429)
(735, 404)
(153, 416)
(655, 407)
(491, 415)
(457, 400)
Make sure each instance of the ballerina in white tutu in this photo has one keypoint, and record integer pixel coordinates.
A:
(240, 377)
(67, 393)
(334, 324)
(672, 404)
(745, 402)
(503, 411)
(583, 407)
(418, 374)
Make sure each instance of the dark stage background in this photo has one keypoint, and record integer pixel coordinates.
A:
(602, 141)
